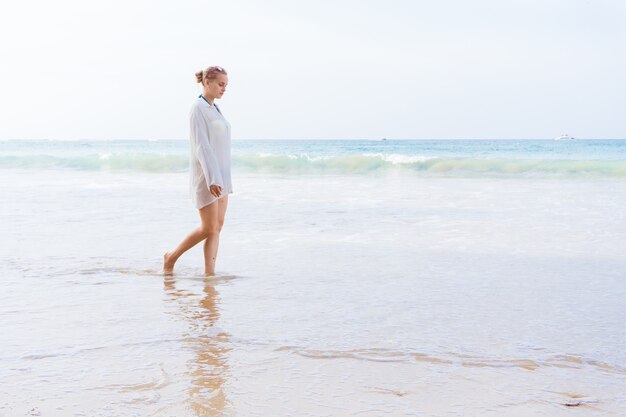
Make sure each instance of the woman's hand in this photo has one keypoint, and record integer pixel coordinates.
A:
(216, 190)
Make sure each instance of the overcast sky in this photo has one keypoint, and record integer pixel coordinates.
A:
(317, 69)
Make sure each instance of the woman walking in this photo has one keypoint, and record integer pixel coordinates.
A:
(210, 181)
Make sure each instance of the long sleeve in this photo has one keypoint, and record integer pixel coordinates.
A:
(203, 150)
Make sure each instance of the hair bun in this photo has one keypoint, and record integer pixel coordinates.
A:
(210, 73)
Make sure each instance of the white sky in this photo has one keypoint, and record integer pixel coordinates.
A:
(315, 70)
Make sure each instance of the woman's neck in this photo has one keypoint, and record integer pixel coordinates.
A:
(208, 98)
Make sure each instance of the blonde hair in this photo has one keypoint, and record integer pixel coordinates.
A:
(209, 74)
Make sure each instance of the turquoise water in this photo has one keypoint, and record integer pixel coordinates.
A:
(448, 158)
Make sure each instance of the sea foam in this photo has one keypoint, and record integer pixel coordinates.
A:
(356, 164)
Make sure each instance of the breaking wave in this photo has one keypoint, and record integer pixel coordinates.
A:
(356, 164)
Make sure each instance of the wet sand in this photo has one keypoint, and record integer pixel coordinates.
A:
(467, 298)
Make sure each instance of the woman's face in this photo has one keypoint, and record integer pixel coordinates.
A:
(217, 86)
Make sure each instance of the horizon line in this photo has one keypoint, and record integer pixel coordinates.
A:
(284, 139)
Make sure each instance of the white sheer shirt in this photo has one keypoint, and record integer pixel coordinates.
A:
(210, 153)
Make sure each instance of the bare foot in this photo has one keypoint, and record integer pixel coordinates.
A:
(168, 264)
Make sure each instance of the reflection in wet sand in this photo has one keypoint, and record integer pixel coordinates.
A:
(209, 367)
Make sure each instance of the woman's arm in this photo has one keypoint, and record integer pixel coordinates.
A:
(203, 150)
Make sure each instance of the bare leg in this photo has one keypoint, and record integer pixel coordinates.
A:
(209, 218)
(211, 244)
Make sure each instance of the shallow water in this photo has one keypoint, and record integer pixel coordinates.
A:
(337, 295)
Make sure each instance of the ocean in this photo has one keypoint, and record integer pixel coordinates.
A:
(355, 278)
(440, 158)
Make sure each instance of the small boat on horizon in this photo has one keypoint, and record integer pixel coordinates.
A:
(564, 136)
